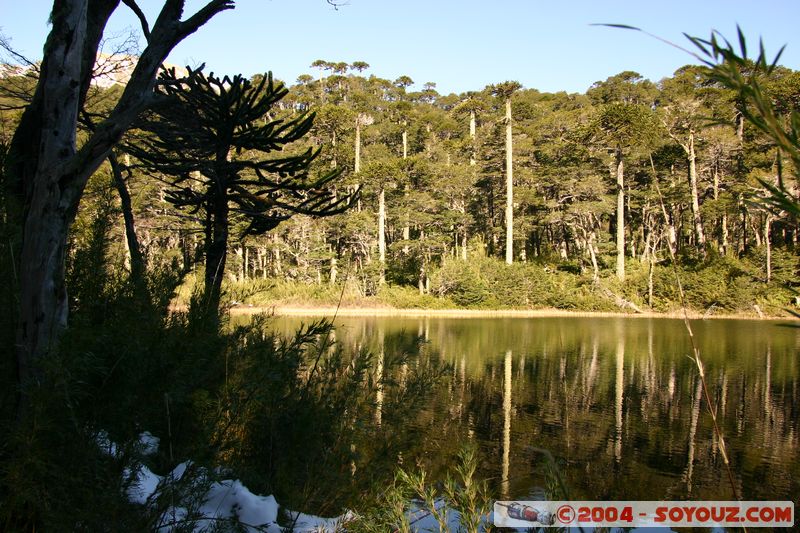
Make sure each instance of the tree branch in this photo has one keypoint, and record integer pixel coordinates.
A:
(142, 19)
(204, 15)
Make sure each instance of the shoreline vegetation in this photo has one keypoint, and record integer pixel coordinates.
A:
(328, 311)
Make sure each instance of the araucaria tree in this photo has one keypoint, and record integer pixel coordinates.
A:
(505, 90)
(222, 154)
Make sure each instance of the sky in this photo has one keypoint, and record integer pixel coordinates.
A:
(460, 45)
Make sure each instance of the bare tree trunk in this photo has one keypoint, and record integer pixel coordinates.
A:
(509, 187)
(277, 254)
(472, 136)
(700, 237)
(620, 216)
(137, 260)
(216, 255)
(357, 164)
(382, 233)
(724, 223)
(186, 252)
(405, 144)
(768, 244)
(722, 237)
(593, 256)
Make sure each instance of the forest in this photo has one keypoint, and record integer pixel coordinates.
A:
(502, 197)
(135, 215)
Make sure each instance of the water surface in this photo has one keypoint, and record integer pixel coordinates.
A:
(616, 401)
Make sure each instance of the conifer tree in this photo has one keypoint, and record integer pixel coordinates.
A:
(215, 141)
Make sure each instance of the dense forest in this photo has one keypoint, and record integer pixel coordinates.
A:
(431, 197)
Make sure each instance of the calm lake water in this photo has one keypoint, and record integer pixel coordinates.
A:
(616, 401)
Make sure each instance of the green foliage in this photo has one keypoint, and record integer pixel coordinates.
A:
(463, 284)
(491, 284)
(410, 298)
(724, 283)
(412, 497)
(299, 414)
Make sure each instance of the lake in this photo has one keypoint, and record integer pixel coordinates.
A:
(617, 402)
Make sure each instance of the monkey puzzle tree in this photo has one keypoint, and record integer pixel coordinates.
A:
(621, 128)
(504, 91)
(623, 123)
(216, 141)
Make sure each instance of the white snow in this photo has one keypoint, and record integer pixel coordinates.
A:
(226, 499)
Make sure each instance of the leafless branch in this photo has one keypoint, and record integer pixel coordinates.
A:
(142, 19)
(5, 45)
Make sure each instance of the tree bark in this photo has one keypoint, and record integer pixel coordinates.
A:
(509, 187)
(216, 255)
(357, 164)
(593, 256)
(382, 233)
(277, 254)
(620, 168)
(768, 244)
(700, 237)
(722, 236)
(137, 259)
(47, 170)
(472, 123)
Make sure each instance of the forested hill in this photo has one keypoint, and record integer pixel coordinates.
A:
(504, 197)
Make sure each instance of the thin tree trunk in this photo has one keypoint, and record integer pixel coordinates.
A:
(357, 164)
(382, 233)
(620, 216)
(240, 260)
(472, 137)
(722, 238)
(137, 260)
(768, 244)
(277, 254)
(700, 237)
(509, 187)
(405, 144)
(216, 255)
(593, 256)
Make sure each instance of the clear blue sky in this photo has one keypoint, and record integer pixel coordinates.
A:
(458, 44)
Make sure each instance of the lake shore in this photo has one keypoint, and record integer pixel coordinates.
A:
(329, 311)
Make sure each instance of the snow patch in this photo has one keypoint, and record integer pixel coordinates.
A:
(227, 499)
